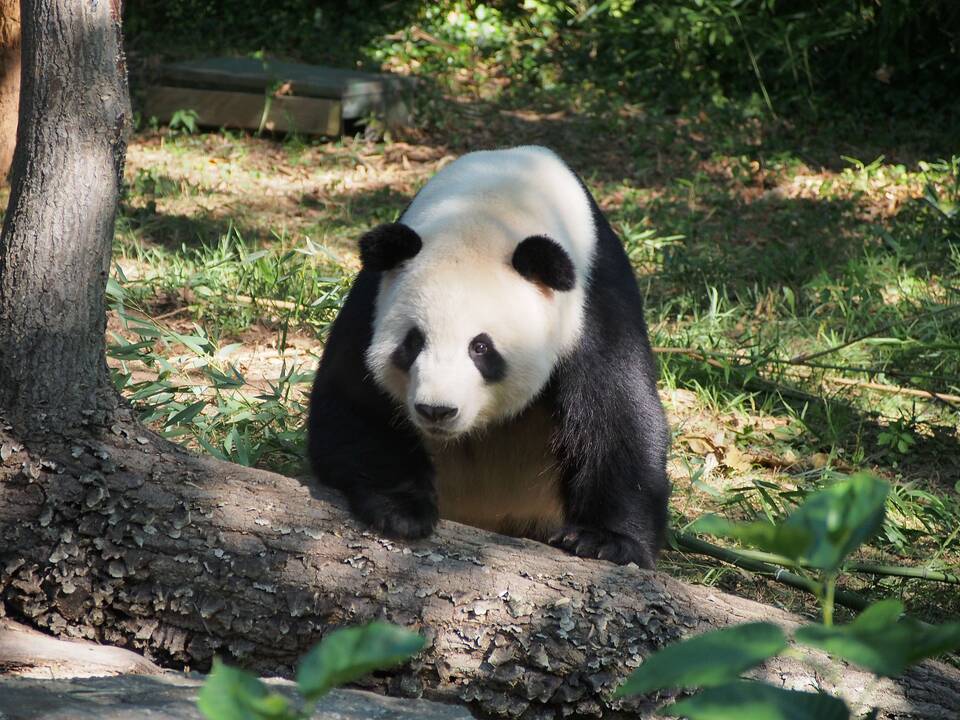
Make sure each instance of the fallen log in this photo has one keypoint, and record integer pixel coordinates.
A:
(173, 696)
(24, 652)
(123, 538)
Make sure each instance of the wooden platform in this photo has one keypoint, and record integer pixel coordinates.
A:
(285, 97)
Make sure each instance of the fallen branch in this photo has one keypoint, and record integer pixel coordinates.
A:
(267, 302)
(743, 559)
(832, 379)
(804, 357)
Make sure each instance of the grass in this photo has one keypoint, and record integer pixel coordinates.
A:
(801, 288)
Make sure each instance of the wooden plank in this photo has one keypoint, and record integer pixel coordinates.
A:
(220, 108)
(249, 75)
(382, 95)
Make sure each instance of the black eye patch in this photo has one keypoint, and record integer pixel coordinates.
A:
(489, 362)
(406, 353)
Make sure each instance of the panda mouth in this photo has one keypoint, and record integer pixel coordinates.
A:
(439, 433)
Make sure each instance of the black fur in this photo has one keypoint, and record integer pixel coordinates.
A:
(611, 434)
(386, 246)
(356, 442)
(406, 354)
(540, 259)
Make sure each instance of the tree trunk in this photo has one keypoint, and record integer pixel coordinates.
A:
(131, 541)
(58, 231)
(9, 81)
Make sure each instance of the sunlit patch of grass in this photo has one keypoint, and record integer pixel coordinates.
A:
(823, 299)
(230, 281)
(172, 349)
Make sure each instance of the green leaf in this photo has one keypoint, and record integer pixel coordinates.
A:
(880, 642)
(211, 450)
(187, 414)
(233, 694)
(822, 531)
(150, 390)
(127, 351)
(196, 343)
(841, 518)
(792, 543)
(713, 658)
(351, 653)
(748, 700)
(254, 256)
(222, 381)
(114, 289)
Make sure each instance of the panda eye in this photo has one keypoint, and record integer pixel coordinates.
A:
(489, 362)
(479, 346)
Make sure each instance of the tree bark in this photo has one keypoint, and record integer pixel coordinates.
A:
(128, 540)
(9, 81)
(58, 230)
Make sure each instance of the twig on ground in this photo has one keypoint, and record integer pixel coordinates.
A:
(247, 300)
(804, 357)
(931, 395)
(683, 541)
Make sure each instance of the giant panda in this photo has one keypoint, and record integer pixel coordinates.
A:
(491, 365)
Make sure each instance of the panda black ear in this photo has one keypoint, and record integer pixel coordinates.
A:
(386, 246)
(541, 260)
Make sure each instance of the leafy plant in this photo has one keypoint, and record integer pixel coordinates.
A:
(944, 196)
(195, 391)
(716, 48)
(882, 640)
(184, 121)
(820, 534)
(343, 656)
(898, 436)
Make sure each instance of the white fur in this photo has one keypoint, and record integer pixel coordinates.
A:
(471, 216)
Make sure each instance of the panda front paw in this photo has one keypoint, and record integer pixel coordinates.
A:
(398, 517)
(602, 544)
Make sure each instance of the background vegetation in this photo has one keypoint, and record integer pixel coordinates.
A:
(788, 50)
(785, 176)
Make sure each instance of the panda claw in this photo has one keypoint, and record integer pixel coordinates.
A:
(408, 521)
(602, 544)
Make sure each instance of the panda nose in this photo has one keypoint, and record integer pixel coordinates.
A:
(435, 413)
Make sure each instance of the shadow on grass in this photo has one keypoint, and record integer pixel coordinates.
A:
(173, 231)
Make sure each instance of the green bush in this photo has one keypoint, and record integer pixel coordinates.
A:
(819, 535)
(782, 50)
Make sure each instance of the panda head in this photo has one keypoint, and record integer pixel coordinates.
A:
(463, 341)
(481, 295)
